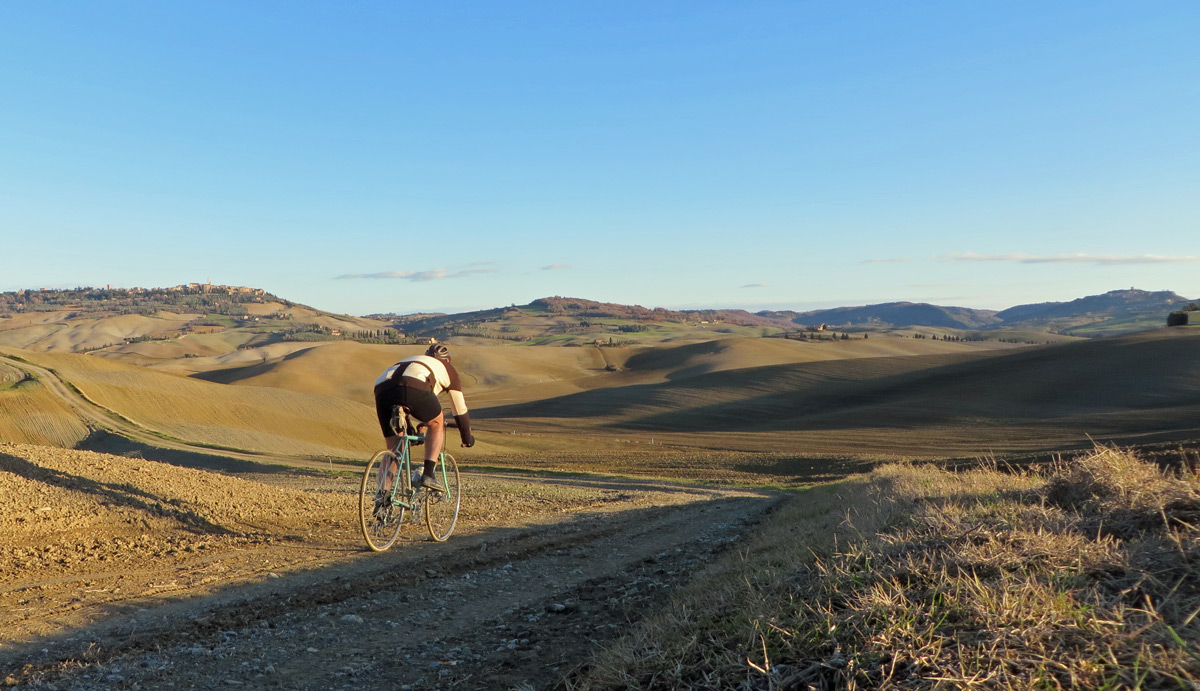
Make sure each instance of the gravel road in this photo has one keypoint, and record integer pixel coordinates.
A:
(120, 573)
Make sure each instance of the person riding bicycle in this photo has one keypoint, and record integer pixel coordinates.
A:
(415, 383)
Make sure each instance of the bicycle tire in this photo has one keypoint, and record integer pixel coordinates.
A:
(441, 508)
(380, 523)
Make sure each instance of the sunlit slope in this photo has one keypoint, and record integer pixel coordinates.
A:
(170, 333)
(181, 351)
(31, 414)
(256, 418)
(342, 369)
(499, 375)
(740, 353)
(63, 331)
(1132, 385)
(671, 365)
(228, 366)
(300, 313)
(348, 370)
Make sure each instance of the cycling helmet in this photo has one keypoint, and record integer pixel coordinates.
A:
(439, 351)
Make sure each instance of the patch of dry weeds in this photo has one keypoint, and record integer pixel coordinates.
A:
(1083, 575)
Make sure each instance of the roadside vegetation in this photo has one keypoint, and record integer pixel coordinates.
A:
(1083, 574)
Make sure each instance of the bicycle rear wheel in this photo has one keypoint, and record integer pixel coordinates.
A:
(441, 508)
(379, 517)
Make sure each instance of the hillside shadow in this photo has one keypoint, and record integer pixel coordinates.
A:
(793, 396)
(670, 359)
(119, 494)
(116, 445)
(231, 375)
(1041, 386)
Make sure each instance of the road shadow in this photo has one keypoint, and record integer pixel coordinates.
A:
(149, 624)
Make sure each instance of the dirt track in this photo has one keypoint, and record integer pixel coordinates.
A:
(126, 573)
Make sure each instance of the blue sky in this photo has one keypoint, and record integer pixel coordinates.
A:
(367, 157)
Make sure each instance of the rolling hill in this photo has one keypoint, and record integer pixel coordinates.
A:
(1134, 388)
(1114, 312)
(576, 321)
(497, 375)
(666, 376)
(145, 326)
(896, 314)
(212, 323)
(260, 419)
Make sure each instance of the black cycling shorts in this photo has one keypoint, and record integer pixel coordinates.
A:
(422, 404)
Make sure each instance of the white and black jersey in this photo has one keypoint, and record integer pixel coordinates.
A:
(427, 374)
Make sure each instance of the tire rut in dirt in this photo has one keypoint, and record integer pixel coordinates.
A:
(523, 609)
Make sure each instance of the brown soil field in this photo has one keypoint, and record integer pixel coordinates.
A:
(120, 572)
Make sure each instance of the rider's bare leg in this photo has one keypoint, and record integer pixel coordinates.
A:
(435, 437)
(389, 473)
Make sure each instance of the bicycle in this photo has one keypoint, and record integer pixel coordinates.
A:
(388, 491)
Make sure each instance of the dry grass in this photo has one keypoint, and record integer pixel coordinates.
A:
(1083, 577)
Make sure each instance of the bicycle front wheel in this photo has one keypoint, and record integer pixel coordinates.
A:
(378, 515)
(441, 508)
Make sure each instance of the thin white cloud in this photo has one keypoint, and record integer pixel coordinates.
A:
(420, 276)
(1078, 258)
(757, 285)
(556, 267)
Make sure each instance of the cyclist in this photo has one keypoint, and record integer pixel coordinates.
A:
(415, 383)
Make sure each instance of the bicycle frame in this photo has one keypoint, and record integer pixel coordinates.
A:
(403, 454)
(383, 510)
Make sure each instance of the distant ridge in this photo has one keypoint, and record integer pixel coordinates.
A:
(1117, 311)
(897, 314)
(152, 323)
(1136, 309)
(591, 308)
(1112, 303)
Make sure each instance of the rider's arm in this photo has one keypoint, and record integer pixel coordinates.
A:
(458, 404)
(461, 418)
